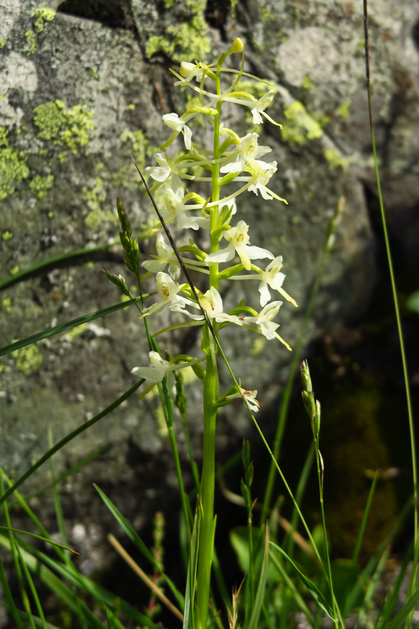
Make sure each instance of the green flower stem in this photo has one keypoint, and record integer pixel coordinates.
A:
(211, 393)
(206, 537)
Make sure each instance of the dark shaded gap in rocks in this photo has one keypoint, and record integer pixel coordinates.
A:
(111, 13)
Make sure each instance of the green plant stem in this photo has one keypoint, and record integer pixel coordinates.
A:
(297, 358)
(319, 462)
(206, 537)
(414, 579)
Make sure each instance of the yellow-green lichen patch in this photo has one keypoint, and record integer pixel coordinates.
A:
(335, 159)
(28, 359)
(66, 127)
(6, 305)
(40, 185)
(14, 270)
(94, 199)
(258, 346)
(299, 127)
(42, 15)
(13, 168)
(2, 43)
(76, 331)
(307, 83)
(344, 109)
(7, 235)
(136, 143)
(187, 40)
(31, 41)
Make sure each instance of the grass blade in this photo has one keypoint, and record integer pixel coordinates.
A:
(260, 592)
(136, 539)
(314, 591)
(65, 327)
(45, 457)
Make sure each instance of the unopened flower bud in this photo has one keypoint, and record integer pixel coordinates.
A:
(309, 403)
(237, 45)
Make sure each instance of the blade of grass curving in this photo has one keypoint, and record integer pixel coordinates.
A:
(406, 611)
(314, 591)
(289, 540)
(70, 472)
(38, 621)
(10, 604)
(386, 611)
(365, 516)
(65, 327)
(60, 522)
(34, 593)
(367, 602)
(188, 614)
(45, 457)
(414, 581)
(16, 557)
(46, 540)
(136, 539)
(260, 592)
(38, 562)
(301, 604)
(51, 262)
(283, 413)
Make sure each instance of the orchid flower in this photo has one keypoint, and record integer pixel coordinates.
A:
(245, 153)
(166, 256)
(161, 369)
(274, 278)
(238, 238)
(179, 126)
(163, 171)
(264, 322)
(168, 291)
(249, 396)
(176, 208)
(191, 71)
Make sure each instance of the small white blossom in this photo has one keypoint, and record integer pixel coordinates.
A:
(176, 209)
(238, 238)
(261, 179)
(191, 71)
(260, 107)
(249, 396)
(177, 124)
(161, 369)
(247, 153)
(168, 291)
(166, 256)
(163, 171)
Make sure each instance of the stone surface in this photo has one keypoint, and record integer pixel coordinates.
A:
(80, 94)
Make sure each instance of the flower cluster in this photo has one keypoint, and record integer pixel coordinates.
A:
(233, 165)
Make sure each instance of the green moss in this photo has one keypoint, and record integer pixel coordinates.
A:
(299, 127)
(307, 83)
(67, 127)
(42, 15)
(187, 40)
(6, 235)
(6, 305)
(31, 41)
(28, 359)
(344, 109)
(39, 185)
(13, 168)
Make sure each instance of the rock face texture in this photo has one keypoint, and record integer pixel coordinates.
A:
(83, 86)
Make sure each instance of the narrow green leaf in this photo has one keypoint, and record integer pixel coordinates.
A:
(69, 437)
(254, 619)
(314, 591)
(65, 327)
(134, 537)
